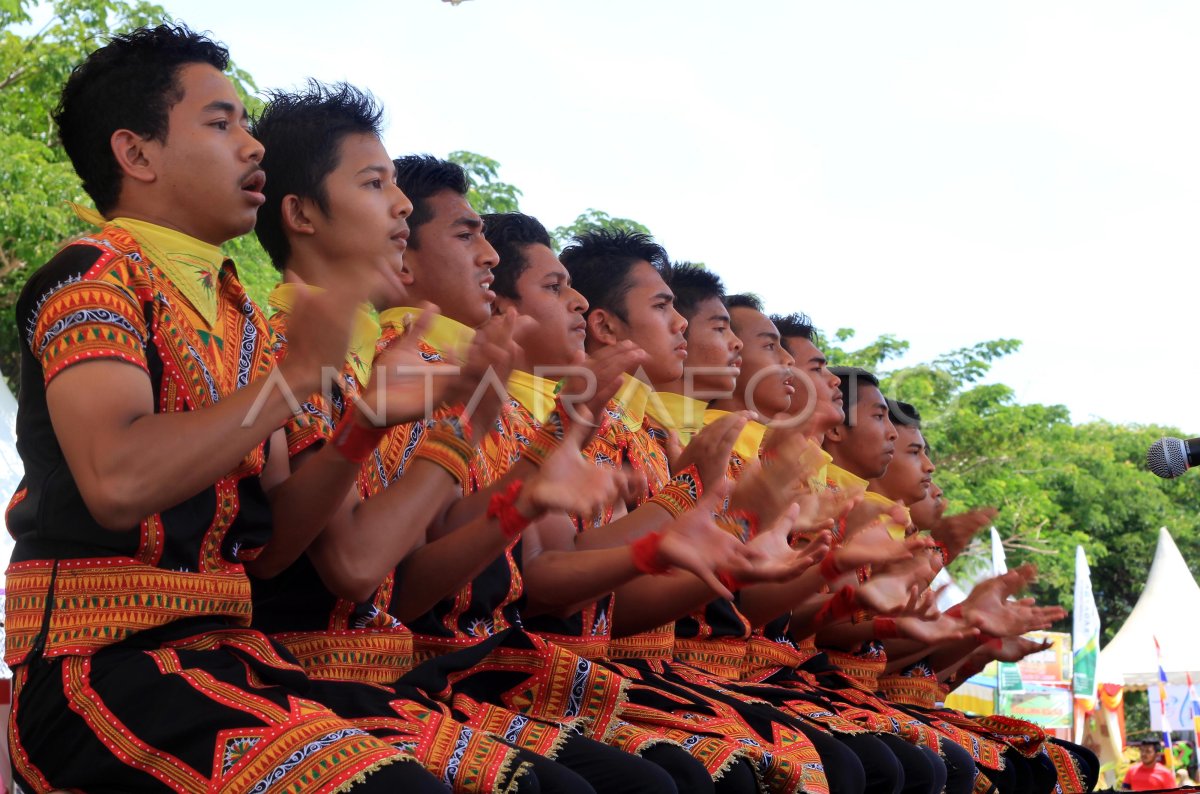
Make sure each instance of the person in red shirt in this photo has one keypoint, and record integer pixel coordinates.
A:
(1149, 775)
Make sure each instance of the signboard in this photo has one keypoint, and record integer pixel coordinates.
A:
(1051, 666)
(1050, 707)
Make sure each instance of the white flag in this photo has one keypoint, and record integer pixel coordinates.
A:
(998, 564)
(1085, 633)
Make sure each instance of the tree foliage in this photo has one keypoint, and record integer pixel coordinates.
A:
(487, 193)
(590, 220)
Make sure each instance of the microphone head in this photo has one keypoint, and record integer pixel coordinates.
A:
(1167, 457)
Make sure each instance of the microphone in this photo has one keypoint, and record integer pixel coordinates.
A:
(1171, 457)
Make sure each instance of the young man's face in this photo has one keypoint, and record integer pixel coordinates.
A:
(713, 352)
(207, 169)
(818, 400)
(928, 512)
(544, 293)
(765, 381)
(867, 446)
(653, 324)
(363, 228)
(910, 472)
(1148, 754)
(450, 262)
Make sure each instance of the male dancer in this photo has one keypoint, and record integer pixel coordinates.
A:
(148, 391)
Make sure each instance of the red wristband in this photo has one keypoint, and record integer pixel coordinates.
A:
(885, 628)
(829, 569)
(990, 641)
(838, 608)
(729, 580)
(503, 506)
(354, 442)
(955, 611)
(645, 554)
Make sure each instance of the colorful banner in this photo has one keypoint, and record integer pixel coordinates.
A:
(1179, 708)
(1085, 633)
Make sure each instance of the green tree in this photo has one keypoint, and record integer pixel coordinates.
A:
(487, 193)
(592, 219)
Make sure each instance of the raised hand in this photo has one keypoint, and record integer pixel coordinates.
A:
(889, 593)
(569, 482)
(593, 380)
(481, 382)
(710, 449)
(403, 386)
(770, 558)
(318, 337)
(918, 570)
(955, 532)
(694, 542)
(987, 606)
(770, 491)
(1014, 649)
(935, 631)
(871, 545)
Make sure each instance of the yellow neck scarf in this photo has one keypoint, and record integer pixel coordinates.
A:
(192, 265)
(361, 354)
(534, 393)
(844, 479)
(676, 412)
(749, 441)
(633, 396)
(449, 338)
(894, 529)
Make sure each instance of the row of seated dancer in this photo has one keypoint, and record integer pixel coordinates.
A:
(454, 512)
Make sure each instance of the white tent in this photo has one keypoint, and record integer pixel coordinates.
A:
(1168, 605)
(11, 469)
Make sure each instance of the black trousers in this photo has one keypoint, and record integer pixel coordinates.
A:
(924, 772)
(610, 771)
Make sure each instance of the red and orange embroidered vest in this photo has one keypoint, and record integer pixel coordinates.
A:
(102, 298)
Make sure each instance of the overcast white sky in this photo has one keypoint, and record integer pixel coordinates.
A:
(946, 172)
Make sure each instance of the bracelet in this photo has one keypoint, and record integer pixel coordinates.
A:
(444, 444)
(646, 557)
(730, 581)
(885, 628)
(503, 506)
(829, 568)
(681, 493)
(354, 442)
(943, 551)
(838, 608)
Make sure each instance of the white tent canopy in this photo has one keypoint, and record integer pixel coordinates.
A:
(10, 466)
(1166, 610)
